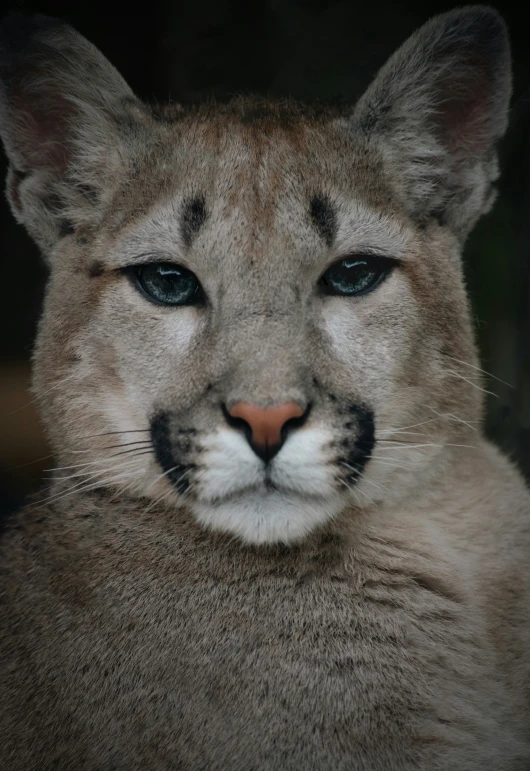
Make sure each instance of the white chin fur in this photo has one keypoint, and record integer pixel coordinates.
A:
(265, 516)
(233, 497)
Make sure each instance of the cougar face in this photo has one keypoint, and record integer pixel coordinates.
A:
(256, 310)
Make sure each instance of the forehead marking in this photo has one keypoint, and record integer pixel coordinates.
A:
(323, 217)
(192, 218)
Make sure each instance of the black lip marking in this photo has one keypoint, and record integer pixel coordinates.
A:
(163, 446)
(324, 217)
(362, 447)
(192, 218)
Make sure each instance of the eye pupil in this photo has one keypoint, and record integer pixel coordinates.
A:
(167, 284)
(356, 275)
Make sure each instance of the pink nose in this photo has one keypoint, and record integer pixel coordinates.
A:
(266, 424)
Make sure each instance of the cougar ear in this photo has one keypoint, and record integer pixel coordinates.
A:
(62, 110)
(435, 111)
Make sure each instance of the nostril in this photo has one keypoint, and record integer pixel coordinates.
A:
(295, 422)
(240, 424)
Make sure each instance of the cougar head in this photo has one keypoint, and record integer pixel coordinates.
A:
(255, 310)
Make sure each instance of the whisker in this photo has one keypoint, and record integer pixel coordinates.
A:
(139, 450)
(427, 444)
(113, 433)
(400, 441)
(414, 425)
(81, 487)
(92, 473)
(132, 445)
(352, 468)
(467, 380)
(84, 452)
(399, 431)
(161, 476)
(31, 462)
(169, 493)
(39, 396)
(355, 492)
(186, 494)
(126, 444)
(90, 481)
(388, 462)
(377, 486)
(454, 417)
(97, 462)
(93, 486)
(478, 369)
(76, 465)
(137, 453)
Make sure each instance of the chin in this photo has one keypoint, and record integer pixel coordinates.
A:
(268, 516)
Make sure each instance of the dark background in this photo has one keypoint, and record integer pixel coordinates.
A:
(190, 51)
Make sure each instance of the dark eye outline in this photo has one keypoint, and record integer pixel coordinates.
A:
(383, 265)
(133, 274)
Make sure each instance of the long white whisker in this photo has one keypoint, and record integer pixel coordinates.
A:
(467, 380)
(414, 425)
(478, 369)
(169, 493)
(161, 476)
(156, 501)
(30, 463)
(356, 493)
(371, 482)
(393, 431)
(453, 417)
(94, 474)
(143, 448)
(96, 462)
(76, 465)
(95, 485)
(388, 462)
(84, 486)
(428, 444)
(39, 396)
(186, 494)
(113, 433)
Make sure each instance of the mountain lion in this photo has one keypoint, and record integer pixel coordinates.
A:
(274, 538)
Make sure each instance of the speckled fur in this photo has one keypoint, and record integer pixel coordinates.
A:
(375, 621)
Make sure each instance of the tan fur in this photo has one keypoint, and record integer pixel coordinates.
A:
(340, 621)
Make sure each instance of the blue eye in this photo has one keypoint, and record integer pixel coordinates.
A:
(356, 275)
(167, 284)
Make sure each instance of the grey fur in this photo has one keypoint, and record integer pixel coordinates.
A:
(336, 614)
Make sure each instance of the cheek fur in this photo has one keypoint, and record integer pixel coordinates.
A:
(179, 328)
(371, 337)
(154, 351)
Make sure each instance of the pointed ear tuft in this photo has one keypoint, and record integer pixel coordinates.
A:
(60, 105)
(436, 110)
